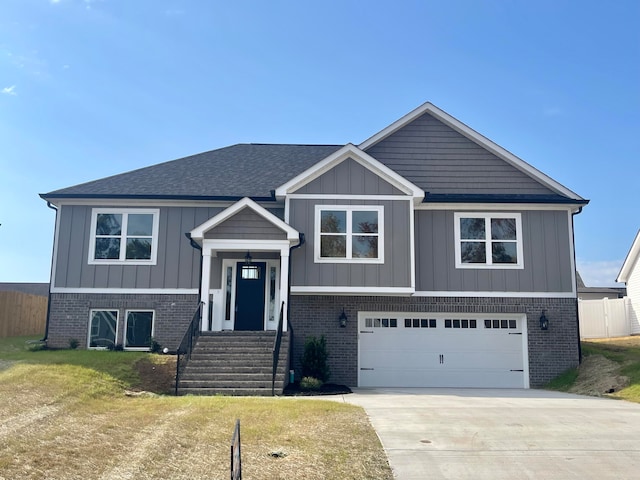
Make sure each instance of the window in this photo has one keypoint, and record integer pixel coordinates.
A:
(488, 240)
(381, 322)
(103, 326)
(123, 236)
(139, 329)
(349, 234)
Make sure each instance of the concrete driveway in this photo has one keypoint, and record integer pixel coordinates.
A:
(432, 434)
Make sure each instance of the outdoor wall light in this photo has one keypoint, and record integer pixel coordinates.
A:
(247, 258)
(343, 319)
(544, 322)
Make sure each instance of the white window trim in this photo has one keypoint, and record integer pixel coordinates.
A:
(122, 260)
(349, 234)
(91, 312)
(126, 319)
(489, 265)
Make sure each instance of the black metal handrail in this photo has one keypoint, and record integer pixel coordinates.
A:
(188, 341)
(276, 351)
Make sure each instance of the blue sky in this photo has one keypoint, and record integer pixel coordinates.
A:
(91, 88)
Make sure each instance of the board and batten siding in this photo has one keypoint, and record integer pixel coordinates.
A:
(394, 272)
(440, 160)
(546, 244)
(246, 224)
(349, 178)
(177, 266)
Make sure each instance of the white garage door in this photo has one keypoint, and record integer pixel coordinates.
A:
(429, 350)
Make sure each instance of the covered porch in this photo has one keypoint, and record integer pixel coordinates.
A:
(245, 268)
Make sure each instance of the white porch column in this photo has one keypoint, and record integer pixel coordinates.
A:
(284, 284)
(204, 285)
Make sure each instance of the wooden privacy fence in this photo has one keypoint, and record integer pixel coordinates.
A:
(605, 318)
(22, 314)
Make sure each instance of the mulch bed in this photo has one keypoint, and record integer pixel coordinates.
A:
(293, 390)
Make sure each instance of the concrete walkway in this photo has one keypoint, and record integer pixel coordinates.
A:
(457, 434)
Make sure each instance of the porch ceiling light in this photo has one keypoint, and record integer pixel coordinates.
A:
(247, 258)
(343, 319)
(544, 322)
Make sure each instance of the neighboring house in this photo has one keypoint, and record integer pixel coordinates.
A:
(630, 276)
(598, 293)
(440, 248)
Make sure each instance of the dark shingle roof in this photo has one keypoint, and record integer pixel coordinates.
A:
(243, 170)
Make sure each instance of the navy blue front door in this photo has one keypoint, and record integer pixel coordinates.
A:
(250, 296)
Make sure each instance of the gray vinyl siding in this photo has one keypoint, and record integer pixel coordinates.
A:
(440, 160)
(178, 264)
(246, 224)
(546, 248)
(349, 178)
(394, 272)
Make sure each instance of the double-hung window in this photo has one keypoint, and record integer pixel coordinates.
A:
(351, 234)
(125, 236)
(488, 240)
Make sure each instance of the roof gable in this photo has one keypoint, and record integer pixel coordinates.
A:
(475, 137)
(630, 261)
(200, 231)
(350, 153)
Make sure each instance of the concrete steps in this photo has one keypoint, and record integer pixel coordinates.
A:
(234, 363)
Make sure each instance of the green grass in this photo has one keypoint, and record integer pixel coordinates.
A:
(64, 414)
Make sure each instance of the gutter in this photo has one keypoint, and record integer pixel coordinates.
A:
(53, 250)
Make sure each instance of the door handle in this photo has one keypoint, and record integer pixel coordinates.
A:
(441, 359)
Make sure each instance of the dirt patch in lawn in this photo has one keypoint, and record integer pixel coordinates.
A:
(597, 375)
(157, 376)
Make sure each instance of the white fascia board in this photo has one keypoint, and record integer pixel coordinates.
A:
(198, 232)
(629, 262)
(233, 245)
(474, 136)
(453, 294)
(388, 291)
(364, 159)
(127, 291)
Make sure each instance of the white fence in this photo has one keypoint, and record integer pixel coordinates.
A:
(605, 318)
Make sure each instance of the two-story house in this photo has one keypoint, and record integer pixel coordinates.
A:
(427, 255)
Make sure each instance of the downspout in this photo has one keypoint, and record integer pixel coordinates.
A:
(195, 245)
(301, 242)
(573, 239)
(53, 249)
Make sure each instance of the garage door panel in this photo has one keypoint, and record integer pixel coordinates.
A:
(441, 351)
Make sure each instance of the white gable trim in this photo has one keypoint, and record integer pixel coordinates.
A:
(364, 159)
(199, 232)
(630, 261)
(475, 137)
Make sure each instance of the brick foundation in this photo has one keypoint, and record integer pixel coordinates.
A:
(551, 352)
(69, 316)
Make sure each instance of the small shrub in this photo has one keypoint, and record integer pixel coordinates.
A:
(154, 347)
(314, 359)
(116, 347)
(73, 343)
(310, 383)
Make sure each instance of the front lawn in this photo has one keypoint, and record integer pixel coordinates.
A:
(65, 415)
